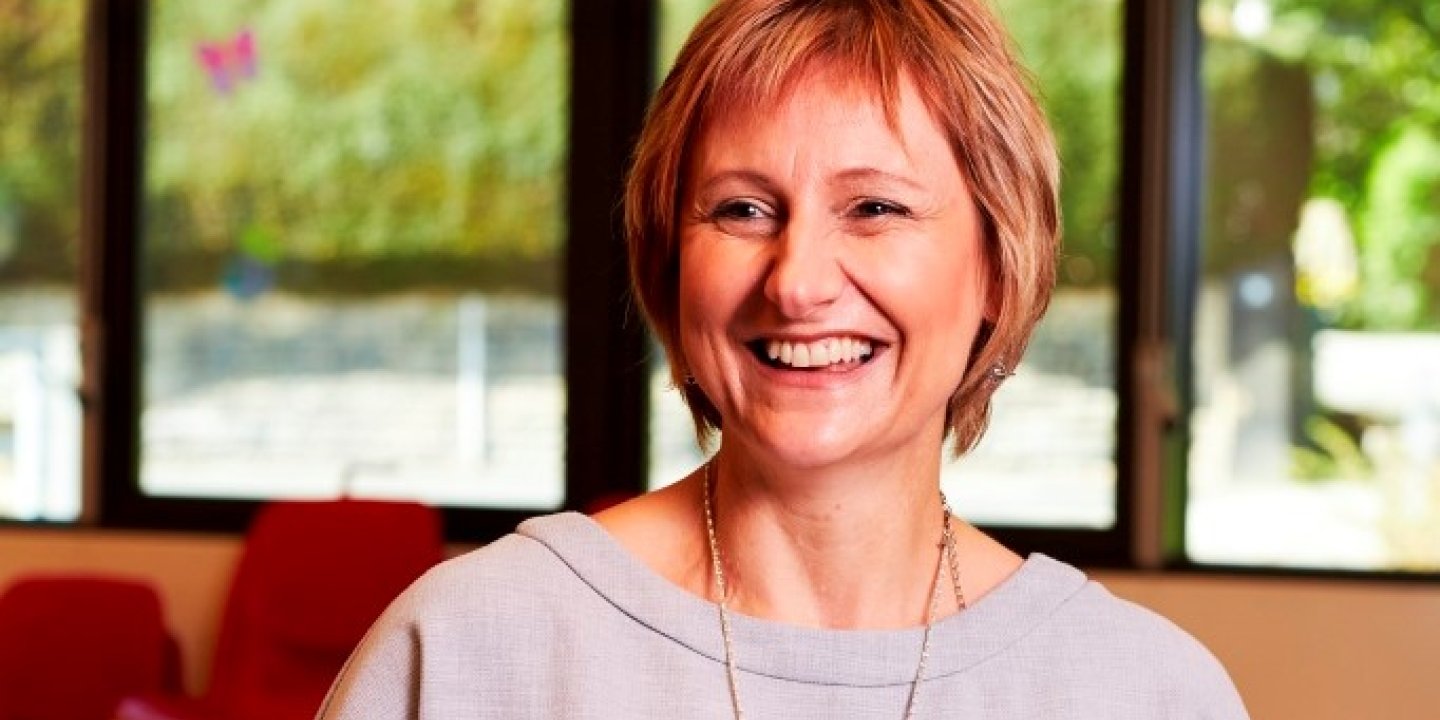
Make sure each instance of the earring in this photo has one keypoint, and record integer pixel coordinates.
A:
(689, 379)
(999, 372)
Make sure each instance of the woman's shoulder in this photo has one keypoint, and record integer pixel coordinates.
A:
(1094, 614)
(1121, 644)
(524, 566)
(464, 612)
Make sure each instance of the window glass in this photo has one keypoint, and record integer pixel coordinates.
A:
(1316, 425)
(1048, 458)
(677, 18)
(40, 94)
(353, 232)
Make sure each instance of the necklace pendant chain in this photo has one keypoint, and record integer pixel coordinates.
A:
(722, 591)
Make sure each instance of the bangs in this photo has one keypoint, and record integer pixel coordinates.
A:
(859, 42)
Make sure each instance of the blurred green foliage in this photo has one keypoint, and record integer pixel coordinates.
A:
(677, 17)
(397, 144)
(1334, 453)
(1074, 50)
(377, 143)
(1363, 131)
(40, 43)
(1400, 217)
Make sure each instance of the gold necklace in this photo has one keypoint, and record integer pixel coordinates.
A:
(947, 551)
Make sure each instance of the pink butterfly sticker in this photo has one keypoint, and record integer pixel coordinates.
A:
(228, 62)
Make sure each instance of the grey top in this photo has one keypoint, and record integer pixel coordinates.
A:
(559, 621)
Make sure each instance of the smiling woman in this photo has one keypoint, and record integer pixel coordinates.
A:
(814, 226)
(843, 223)
(986, 122)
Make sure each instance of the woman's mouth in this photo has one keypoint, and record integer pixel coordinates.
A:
(833, 353)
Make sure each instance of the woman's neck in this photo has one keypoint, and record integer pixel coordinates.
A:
(853, 546)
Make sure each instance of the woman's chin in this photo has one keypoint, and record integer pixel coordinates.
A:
(809, 444)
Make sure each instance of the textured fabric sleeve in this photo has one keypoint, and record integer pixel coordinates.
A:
(381, 680)
(443, 649)
(1194, 681)
(1191, 682)
(1211, 693)
(1108, 657)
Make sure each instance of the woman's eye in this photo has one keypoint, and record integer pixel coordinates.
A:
(744, 218)
(877, 208)
(739, 210)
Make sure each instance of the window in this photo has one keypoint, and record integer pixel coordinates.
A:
(374, 251)
(40, 101)
(1048, 458)
(353, 229)
(1316, 424)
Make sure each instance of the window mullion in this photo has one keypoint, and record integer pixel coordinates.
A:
(110, 219)
(1159, 207)
(606, 366)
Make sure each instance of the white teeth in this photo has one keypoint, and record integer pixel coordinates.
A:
(829, 351)
(820, 354)
(801, 358)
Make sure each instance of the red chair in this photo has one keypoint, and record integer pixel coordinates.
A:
(72, 646)
(313, 577)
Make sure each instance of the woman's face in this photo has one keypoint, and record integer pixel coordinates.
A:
(832, 274)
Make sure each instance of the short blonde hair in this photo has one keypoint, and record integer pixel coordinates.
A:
(747, 53)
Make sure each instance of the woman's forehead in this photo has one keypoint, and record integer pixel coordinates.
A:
(845, 123)
(842, 77)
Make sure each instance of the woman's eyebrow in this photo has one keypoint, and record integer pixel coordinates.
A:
(848, 176)
(742, 175)
(870, 174)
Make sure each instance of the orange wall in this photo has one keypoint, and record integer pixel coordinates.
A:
(1312, 649)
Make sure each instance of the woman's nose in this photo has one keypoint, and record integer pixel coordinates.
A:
(806, 275)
